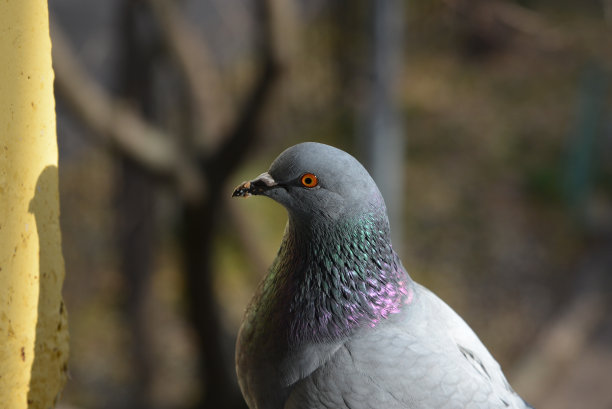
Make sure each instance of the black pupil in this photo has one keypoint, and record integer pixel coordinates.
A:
(307, 181)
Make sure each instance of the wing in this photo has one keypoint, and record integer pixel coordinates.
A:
(424, 357)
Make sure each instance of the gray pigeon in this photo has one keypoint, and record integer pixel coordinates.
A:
(338, 322)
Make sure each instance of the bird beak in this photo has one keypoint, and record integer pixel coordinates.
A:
(256, 186)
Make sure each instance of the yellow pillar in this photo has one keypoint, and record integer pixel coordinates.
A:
(33, 330)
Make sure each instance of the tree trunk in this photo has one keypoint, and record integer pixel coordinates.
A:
(135, 198)
(217, 346)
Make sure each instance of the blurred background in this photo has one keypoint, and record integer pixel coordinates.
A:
(486, 123)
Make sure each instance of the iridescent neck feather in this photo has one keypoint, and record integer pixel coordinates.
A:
(336, 277)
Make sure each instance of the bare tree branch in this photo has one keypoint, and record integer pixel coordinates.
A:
(116, 121)
(237, 143)
(203, 78)
(513, 16)
(227, 129)
(527, 22)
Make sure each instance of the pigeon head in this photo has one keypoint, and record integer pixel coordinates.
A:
(317, 182)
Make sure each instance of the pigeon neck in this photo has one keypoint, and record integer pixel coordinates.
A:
(340, 276)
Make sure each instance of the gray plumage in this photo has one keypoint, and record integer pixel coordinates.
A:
(338, 322)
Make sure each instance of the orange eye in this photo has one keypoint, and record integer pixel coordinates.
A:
(309, 180)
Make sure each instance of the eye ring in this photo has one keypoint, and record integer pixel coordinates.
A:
(309, 180)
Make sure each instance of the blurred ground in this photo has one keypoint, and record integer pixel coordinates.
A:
(494, 114)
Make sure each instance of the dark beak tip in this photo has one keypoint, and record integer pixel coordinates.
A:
(257, 186)
(242, 190)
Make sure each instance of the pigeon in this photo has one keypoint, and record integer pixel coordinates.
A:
(337, 322)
